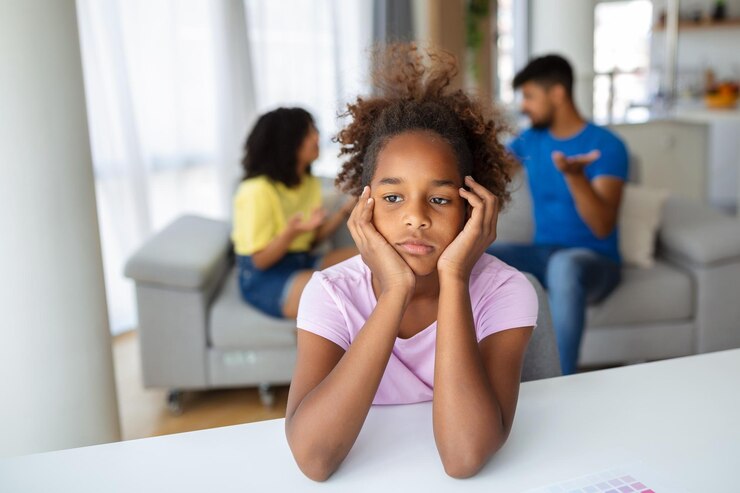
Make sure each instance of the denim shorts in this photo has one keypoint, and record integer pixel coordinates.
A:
(268, 289)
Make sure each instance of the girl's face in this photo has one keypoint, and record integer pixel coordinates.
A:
(418, 208)
(308, 151)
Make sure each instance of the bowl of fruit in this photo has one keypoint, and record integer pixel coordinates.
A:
(722, 96)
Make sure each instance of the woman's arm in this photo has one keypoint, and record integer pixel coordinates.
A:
(475, 385)
(331, 392)
(278, 246)
(329, 226)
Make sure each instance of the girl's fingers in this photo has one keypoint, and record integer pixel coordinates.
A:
(361, 199)
(479, 189)
(475, 221)
(490, 201)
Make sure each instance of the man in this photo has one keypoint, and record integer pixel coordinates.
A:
(576, 171)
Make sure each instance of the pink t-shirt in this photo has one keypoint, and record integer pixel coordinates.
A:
(337, 301)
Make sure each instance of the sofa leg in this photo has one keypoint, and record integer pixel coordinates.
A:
(267, 395)
(174, 401)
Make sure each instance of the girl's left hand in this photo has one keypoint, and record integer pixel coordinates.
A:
(479, 232)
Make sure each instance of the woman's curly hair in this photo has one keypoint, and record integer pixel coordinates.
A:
(272, 145)
(413, 93)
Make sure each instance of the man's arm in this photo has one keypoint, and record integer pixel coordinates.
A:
(597, 201)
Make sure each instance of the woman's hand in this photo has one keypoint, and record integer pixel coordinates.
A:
(479, 232)
(298, 225)
(384, 262)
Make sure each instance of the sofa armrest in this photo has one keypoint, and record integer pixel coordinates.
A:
(697, 234)
(187, 254)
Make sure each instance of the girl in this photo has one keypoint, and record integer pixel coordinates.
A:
(431, 175)
(277, 213)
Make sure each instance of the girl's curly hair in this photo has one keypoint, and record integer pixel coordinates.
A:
(413, 93)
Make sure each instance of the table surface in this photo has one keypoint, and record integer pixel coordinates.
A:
(678, 417)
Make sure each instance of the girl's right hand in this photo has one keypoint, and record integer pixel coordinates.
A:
(384, 262)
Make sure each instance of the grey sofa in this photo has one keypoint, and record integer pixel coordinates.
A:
(686, 303)
(196, 333)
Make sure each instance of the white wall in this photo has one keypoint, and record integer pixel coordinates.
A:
(566, 27)
(700, 48)
(57, 385)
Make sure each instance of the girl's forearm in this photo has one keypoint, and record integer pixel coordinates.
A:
(328, 420)
(467, 420)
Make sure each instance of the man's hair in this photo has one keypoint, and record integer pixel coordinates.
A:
(548, 71)
(272, 145)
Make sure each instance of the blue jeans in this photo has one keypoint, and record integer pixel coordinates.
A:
(268, 289)
(573, 277)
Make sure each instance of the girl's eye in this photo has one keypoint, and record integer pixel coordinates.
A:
(392, 198)
(440, 201)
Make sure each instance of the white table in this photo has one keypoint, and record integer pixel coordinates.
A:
(680, 417)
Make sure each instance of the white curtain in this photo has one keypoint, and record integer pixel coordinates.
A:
(313, 54)
(169, 98)
(173, 87)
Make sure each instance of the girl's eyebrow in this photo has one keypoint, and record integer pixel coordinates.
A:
(390, 181)
(398, 181)
(444, 183)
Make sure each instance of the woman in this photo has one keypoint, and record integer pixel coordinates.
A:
(278, 214)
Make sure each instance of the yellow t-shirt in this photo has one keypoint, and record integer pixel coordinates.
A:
(262, 208)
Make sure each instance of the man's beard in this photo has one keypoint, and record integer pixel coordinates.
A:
(542, 124)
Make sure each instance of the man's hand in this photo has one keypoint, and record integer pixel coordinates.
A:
(574, 165)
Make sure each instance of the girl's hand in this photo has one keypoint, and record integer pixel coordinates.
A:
(384, 262)
(479, 232)
(298, 226)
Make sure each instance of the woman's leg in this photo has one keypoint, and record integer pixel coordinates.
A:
(290, 307)
(338, 255)
(301, 278)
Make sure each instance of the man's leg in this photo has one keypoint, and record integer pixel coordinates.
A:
(575, 277)
(526, 258)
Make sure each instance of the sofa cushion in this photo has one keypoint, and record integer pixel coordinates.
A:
(639, 219)
(162, 260)
(235, 324)
(660, 293)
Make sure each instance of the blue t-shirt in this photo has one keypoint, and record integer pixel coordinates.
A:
(557, 221)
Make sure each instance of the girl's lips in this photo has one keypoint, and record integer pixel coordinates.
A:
(416, 248)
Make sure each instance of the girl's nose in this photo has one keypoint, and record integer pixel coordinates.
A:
(416, 216)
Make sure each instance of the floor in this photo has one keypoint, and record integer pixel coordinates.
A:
(144, 412)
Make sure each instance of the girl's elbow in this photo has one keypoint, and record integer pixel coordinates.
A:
(315, 468)
(461, 464)
(464, 465)
(314, 464)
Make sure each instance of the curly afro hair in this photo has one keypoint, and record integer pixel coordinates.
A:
(413, 93)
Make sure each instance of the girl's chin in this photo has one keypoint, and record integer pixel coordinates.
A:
(422, 266)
